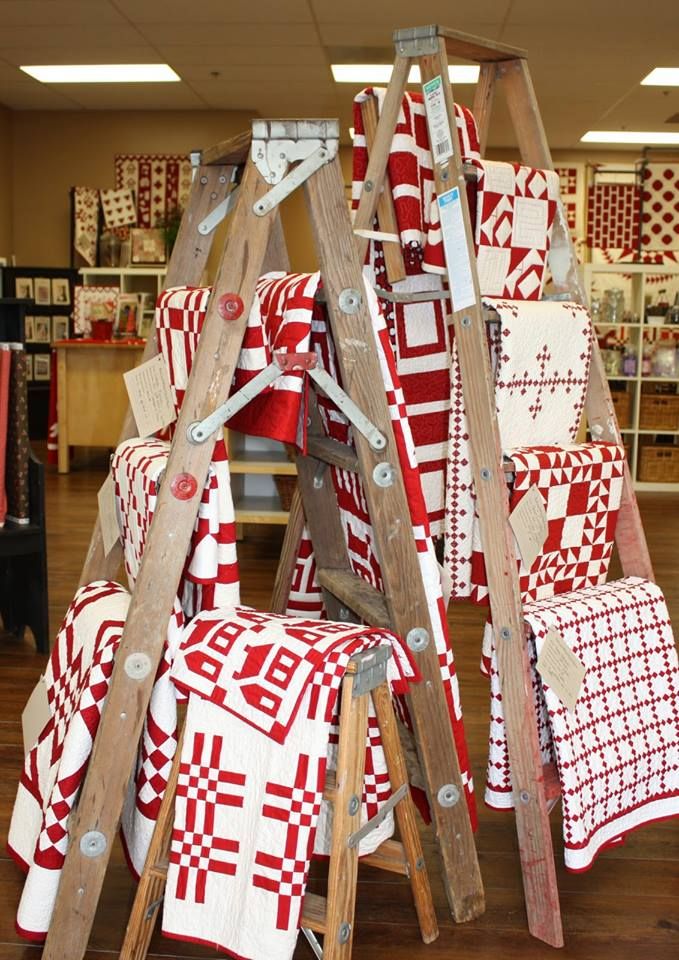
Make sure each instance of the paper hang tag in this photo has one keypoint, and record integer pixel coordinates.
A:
(446, 584)
(148, 388)
(561, 669)
(35, 715)
(437, 119)
(458, 262)
(108, 515)
(528, 521)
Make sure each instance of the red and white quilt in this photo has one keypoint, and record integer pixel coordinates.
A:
(541, 368)
(613, 216)
(580, 487)
(617, 752)
(86, 223)
(160, 183)
(515, 210)
(210, 576)
(118, 208)
(263, 695)
(411, 176)
(77, 681)
(660, 209)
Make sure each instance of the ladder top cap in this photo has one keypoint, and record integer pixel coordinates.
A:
(295, 129)
(420, 41)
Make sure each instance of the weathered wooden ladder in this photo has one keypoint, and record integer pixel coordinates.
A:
(430, 46)
(279, 157)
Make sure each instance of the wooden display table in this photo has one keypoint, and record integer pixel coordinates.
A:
(91, 395)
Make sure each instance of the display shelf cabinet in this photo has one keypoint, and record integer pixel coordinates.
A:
(640, 284)
(148, 280)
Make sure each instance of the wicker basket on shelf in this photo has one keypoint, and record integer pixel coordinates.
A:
(659, 463)
(659, 410)
(622, 402)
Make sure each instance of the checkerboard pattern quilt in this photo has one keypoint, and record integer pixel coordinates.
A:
(617, 753)
(613, 216)
(263, 697)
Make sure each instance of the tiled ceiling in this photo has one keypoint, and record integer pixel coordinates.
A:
(272, 57)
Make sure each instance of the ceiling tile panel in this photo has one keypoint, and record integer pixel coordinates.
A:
(33, 13)
(216, 11)
(231, 34)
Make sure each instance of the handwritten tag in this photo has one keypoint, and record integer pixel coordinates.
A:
(35, 716)
(528, 520)
(148, 388)
(108, 515)
(561, 669)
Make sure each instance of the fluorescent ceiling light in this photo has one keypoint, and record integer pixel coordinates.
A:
(662, 77)
(103, 73)
(628, 136)
(366, 73)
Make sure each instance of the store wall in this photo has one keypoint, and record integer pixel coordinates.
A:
(5, 182)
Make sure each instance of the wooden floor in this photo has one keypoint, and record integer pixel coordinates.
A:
(626, 907)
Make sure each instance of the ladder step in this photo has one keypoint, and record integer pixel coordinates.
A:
(332, 451)
(389, 856)
(314, 912)
(356, 594)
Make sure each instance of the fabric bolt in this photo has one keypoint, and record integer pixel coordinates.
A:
(5, 376)
(541, 355)
(580, 487)
(515, 210)
(118, 207)
(411, 176)
(86, 223)
(613, 216)
(210, 575)
(263, 694)
(618, 751)
(660, 206)
(18, 446)
(160, 183)
(53, 415)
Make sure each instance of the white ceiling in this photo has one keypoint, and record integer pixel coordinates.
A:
(272, 56)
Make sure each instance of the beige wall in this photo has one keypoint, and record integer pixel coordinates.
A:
(5, 182)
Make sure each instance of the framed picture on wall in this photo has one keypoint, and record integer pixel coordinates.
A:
(42, 291)
(93, 303)
(41, 366)
(42, 332)
(61, 294)
(29, 366)
(59, 328)
(23, 287)
(147, 246)
(29, 330)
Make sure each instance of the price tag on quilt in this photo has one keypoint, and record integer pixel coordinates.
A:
(528, 520)
(561, 669)
(108, 515)
(148, 388)
(459, 265)
(36, 715)
(437, 120)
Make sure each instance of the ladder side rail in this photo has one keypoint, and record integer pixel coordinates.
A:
(395, 546)
(482, 106)
(99, 809)
(209, 187)
(532, 819)
(630, 538)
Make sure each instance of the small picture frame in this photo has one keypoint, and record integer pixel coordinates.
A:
(41, 366)
(29, 366)
(92, 303)
(29, 329)
(128, 314)
(60, 328)
(42, 291)
(147, 246)
(61, 291)
(23, 287)
(42, 329)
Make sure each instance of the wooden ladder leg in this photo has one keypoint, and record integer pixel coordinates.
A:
(343, 870)
(405, 814)
(151, 889)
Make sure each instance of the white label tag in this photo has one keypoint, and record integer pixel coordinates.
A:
(446, 584)
(437, 120)
(528, 520)
(108, 515)
(148, 388)
(456, 250)
(561, 670)
(35, 715)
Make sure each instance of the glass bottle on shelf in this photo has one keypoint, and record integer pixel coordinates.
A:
(647, 359)
(629, 361)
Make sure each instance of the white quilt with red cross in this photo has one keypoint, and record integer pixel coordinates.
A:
(617, 753)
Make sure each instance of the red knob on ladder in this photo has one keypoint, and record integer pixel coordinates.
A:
(183, 486)
(230, 306)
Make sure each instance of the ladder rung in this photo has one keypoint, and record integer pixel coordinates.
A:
(390, 856)
(314, 912)
(332, 451)
(469, 47)
(356, 594)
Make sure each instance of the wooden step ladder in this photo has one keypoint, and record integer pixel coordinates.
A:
(429, 46)
(332, 916)
(254, 244)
